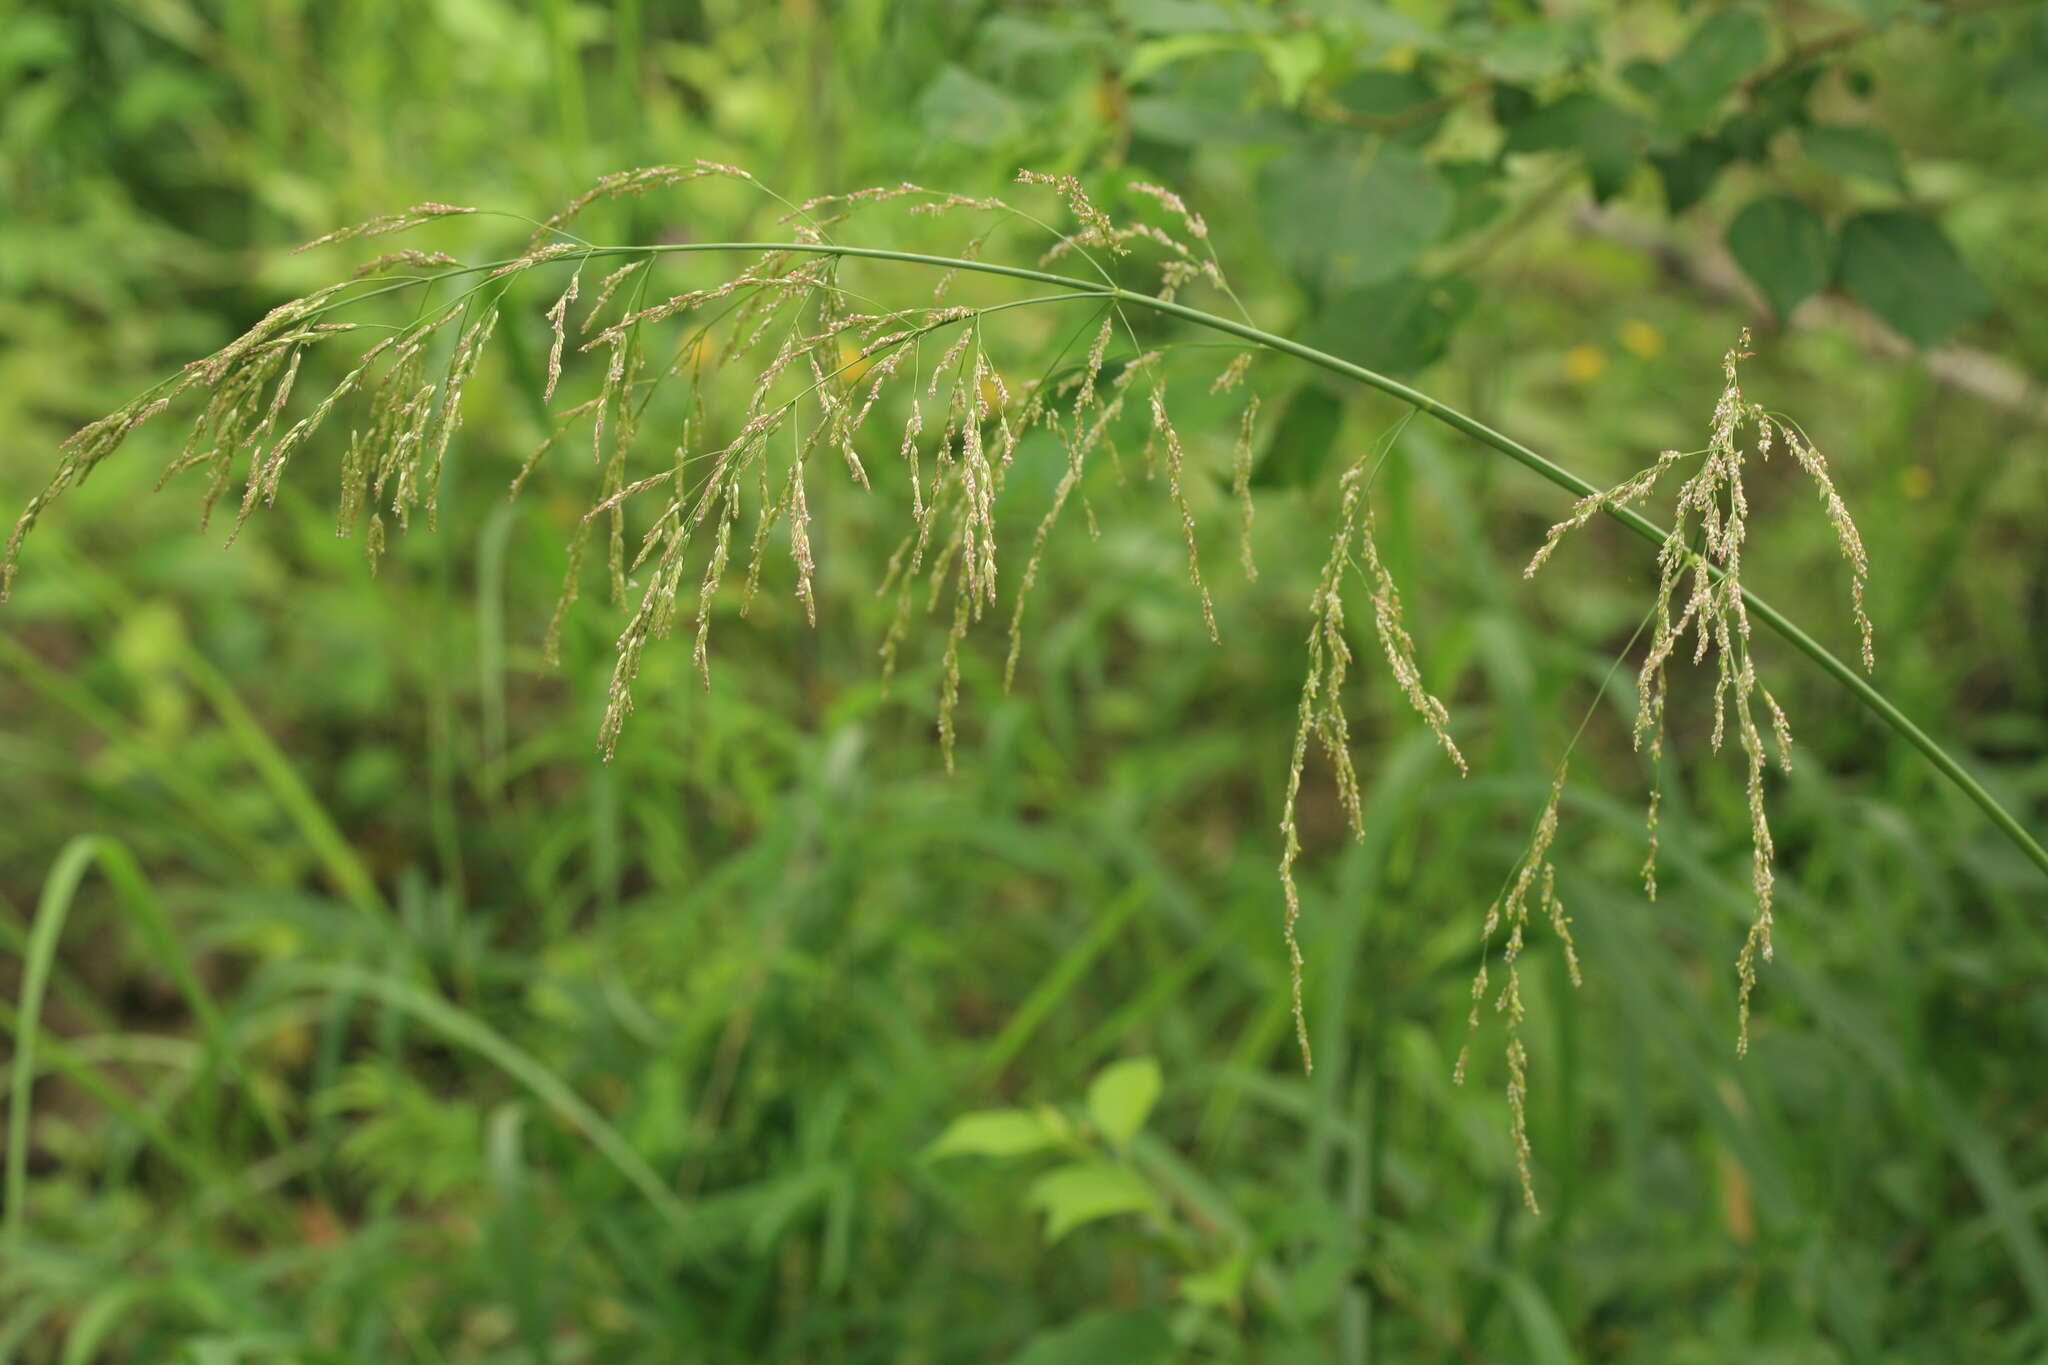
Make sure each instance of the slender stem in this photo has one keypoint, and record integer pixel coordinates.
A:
(1451, 417)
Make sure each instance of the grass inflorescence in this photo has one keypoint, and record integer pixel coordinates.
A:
(1700, 591)
(711, 414)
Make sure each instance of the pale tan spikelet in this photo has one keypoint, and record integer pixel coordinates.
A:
(1085, 401)
(210, 370)
(1399, 647)
(402, 464)
(1175, 274)
(1233, 373)
(714, 574)
(1096, 228)
(1781, 729)
(558, 316)
(1758, 942)
(614, 185)
(461, 366)
(949, 685)
(652, 619)
(364, 469)
(1061, 492)
(1172, 202)
(81, 452)
(913, 426)
(625, 494)
(978, 486)
(1518, 1092)
(800, 542)
(538, 256)
(609, 395)
(253, 439)
(1534, 872)
(849, 201)
(949, 363)
(1655, 758)
(970, 252)
(1699, 591)
(1241, 487)
(278, 399)
(607, 287)
(1290, 846)
(768, 514)
(1175, 457)
(390, 260)
(1479, 981)
(951, 203)
(1846, 534)
(1321, 714)
(1560, 923)
(1629, 491)
(387, 223)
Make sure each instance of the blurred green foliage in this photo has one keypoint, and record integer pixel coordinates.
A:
(465, 1046)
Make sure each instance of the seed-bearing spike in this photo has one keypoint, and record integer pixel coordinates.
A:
(558, 318)
(1241, 487)
(387, 223)
(1175, 457)
(1699, 591)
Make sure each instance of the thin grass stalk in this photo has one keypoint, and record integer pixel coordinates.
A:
(1835, 668)
(1845, 676)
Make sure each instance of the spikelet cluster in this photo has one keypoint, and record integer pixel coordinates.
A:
(1536, 875)
(1700, 594)
(1321, 712)
(708, 504)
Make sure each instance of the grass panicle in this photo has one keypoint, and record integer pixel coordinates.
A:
(1534, 874)
(1320, 714)
(1700, 593)
(770, 366)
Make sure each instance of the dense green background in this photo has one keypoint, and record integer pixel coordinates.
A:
(472, 976)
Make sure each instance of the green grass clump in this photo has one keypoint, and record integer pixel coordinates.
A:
(385, 1020)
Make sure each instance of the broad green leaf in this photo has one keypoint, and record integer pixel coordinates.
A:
(1903, 268)
(1538, 50)
(1389, 98)
(1855, 150)
(1782, 245)
(1689, 172)
(1781, 100)
(1220, 1285)
(1302, 439)
(1134, 1338)
(1086, 1192)
(1645, 77)
(1398, 326)
(1121, 1098)
(1511, 103)
(1777, 104)
(992, 1132)
(1343, 220)
(1149, 58)
(1608, 137)
(1728, 45)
